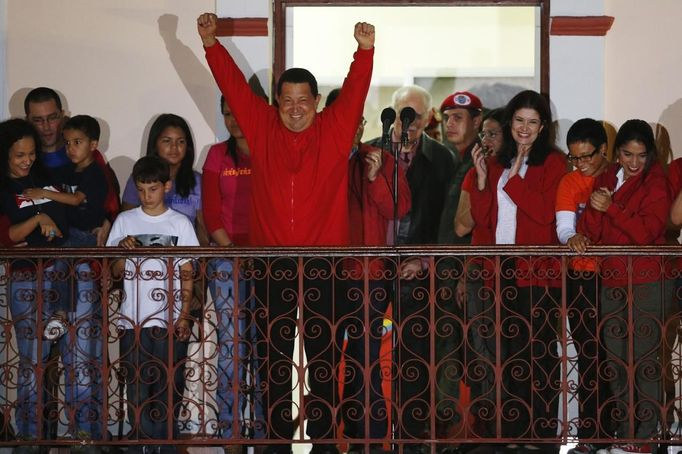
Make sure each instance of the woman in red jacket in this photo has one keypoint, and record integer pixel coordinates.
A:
(629, 205)
(513, 203)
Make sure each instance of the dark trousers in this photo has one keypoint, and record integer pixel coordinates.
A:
(632, 331)
(364, 330)
(449, 348)
(288, 299)
(481, 352)
(531, 366)
(145, 363)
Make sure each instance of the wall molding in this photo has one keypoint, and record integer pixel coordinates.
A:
(580, 25)
(244, 26)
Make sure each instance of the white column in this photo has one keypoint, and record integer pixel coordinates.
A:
(577, 69)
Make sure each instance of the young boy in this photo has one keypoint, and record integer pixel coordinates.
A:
(84, 195)
(150, 306)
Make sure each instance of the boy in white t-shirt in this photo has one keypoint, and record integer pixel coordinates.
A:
(153, 301)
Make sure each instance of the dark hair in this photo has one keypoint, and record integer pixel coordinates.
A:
(331, 97)
(85, 124)
(150, 169)
(184, 180)
(527, 99)
(587, 130)
(297, 76)
(639, 131)
(12, 131)
(494, 114)
(41, 94)
(231, 148)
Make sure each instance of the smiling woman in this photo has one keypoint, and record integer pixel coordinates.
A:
(494, 51)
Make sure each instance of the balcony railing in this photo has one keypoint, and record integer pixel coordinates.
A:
(485, 345)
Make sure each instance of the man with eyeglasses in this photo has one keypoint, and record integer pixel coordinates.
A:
(430, 168)
(43, 109)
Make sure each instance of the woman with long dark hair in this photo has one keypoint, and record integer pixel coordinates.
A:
(170, 138)
(227, 179)
(630, 205)
(38, 223)
(513, 203)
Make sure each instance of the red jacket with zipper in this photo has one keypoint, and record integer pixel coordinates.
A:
(300, 179)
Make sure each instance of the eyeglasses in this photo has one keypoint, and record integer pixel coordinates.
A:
(52, 118)
(489, 134)
(583, 158)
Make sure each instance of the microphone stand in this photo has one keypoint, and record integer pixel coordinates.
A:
(395, 152)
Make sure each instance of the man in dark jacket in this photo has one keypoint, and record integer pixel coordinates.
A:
(461, 113)
(430, 169)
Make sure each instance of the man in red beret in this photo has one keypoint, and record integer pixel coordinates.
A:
(461, 113)
(461, 117)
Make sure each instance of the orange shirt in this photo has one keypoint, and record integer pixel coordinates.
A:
(573, 195)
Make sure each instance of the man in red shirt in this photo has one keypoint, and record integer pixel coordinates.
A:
(299, 198)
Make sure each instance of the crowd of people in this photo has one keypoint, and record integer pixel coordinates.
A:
(290, 175)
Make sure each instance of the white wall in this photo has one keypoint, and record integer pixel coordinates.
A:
(122, 62)
(577, 69)
(644, 64)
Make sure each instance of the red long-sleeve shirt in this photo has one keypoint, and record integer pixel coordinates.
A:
(638, 215)
(300, 179)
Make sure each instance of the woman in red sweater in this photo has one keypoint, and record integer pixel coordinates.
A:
(630, 205)
(513, 203)
(226, 188)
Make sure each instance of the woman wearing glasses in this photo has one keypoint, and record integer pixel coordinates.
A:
(630, 205)
(491, 142)
(586, 141)
(513, 203)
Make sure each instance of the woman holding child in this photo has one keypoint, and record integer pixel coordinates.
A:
(78, 200)
(39, 223)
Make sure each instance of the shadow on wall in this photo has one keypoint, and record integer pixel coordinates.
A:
(196, 78)
(663, 145)
(669, 130)
(16, 102)
(199, 82)
(16, 109)
(495, 95)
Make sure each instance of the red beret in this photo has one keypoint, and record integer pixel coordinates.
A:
(461, 100)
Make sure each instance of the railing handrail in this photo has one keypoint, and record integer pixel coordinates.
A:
(305, 251)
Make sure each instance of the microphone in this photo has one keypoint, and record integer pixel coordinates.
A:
(387, 118)
(407, 116)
